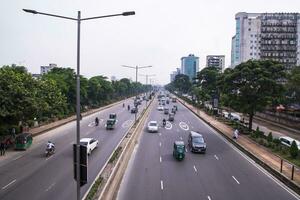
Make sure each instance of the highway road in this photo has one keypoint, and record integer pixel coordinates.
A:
(30, 175)
(222, 173)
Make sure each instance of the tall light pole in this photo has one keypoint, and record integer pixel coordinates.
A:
(136, 76)
(78, 20)
(147, 75)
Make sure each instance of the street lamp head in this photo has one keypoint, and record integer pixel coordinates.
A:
(30, 11)
(128, 13)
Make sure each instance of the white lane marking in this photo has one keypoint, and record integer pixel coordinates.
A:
(18, 157)
(208, 197)
(186, 150)
(286, 188)
(49, 157)
(159, 134)
(184, 126)
(216, 157)
(160, 160)
(49, 188)
(236, 180)
(161, 185)
(195, 168)
(160, 144)
(91, 124)
(3, 188)
(168, 125)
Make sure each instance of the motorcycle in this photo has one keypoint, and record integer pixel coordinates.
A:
(49, 151)
(164, 123)
(96, 121)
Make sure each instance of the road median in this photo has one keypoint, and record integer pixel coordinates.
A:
(111, 174)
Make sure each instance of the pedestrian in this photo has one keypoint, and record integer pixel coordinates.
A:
(2, 150)
(235, 134)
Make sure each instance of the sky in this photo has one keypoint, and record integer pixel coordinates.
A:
(161, 32)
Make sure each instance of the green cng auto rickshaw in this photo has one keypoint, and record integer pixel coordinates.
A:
(23, 141)
(110, 124)
(179, 150)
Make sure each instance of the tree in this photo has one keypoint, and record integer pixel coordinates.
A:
(294, 150)
(206, 82)
(253, 85)
(293, 84)
(182, 83)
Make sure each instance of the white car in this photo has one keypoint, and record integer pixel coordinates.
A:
(152, 126)
(160, 108)
(287, 141)
(90, 143)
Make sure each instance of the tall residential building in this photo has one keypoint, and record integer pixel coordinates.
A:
(274, 36)
(217, 61)
(46, 69)
(190, 66)
(173, 74)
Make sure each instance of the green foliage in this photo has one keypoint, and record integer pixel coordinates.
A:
(294, 150)
(293, 85)
(252, 85)
(181, 83)
(270, 137)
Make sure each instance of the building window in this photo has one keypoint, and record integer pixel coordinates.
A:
(250, 54)
(251, 35)
(249, 29)
(251, 41)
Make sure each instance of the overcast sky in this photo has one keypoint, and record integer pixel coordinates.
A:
(161, 32)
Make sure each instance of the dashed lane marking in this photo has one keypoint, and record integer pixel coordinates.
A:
(195, 168)
(236, 180)
(216, 157)
(3, 188)
(161, 185)
(49, 188)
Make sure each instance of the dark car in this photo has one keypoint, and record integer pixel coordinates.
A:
(196, 142)
(134, 110)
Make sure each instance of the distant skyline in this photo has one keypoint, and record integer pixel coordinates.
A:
(159, 34)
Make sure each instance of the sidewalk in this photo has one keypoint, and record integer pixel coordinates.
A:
(264, 155)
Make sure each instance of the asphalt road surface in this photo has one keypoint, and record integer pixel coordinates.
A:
(30, 175)
(222, 173)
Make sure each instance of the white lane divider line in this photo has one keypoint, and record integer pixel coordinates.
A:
(216, 157)
(160, 144)
(3, 188)
(49, 188)
(18, 157)
(160, 160)
(195, 168)
(208, 197)
(186, 150)
(159, 134)
(236, 180)
(49, 157)
(161, 185)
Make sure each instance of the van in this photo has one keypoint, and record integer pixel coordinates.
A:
(196, 142)
(287, 141)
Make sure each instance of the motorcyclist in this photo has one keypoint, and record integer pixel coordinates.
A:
(128, 107)
(164, 122)
(96, 121)
(123, 105)
(50, 146)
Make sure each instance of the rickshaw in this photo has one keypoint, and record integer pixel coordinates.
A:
(166, 111)
(110, 124)
(23, 141)
(179, 150)
(113, 116)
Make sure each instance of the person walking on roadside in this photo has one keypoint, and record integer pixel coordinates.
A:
(235, 134)
(2, 148)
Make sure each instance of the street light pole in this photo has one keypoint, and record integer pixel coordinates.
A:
(78, 108)
(78, 117)
(136, 75)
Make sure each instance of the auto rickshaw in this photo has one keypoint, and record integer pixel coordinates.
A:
(110, 124)
(113, 116)
(179, 150)
(23, 141)
(171, 117)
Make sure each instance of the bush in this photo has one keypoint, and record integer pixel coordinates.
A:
(270, 137)
(294, 150)
(276, 141)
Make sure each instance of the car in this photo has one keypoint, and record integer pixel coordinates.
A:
(166, 111)
(90, 144)
(196, 142)
(134, 110)
(171, 117)
(287, 141)
(179, 150)
(110, 124)
(160, 108)
(152, 126)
